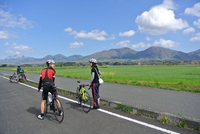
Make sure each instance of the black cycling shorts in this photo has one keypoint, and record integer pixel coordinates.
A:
(45, 92)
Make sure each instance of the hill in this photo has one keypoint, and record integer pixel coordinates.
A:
(152, 53)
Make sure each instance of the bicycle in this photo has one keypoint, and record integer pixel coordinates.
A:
(83, 97)
(13, 79)
(54, 103)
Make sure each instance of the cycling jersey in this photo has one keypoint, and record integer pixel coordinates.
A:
(47, 77)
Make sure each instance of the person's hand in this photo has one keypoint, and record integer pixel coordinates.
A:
(38, 90)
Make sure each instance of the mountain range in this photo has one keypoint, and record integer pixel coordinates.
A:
(151, 53)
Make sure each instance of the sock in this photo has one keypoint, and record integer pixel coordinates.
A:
(42, 115)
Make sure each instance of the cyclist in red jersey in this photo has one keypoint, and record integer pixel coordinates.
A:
(47, 77)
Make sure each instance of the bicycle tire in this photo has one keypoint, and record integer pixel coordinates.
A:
(86, 102)
(46, 108)
(56, 110)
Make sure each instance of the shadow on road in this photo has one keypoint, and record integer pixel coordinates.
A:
(75, 106)
(36, 112)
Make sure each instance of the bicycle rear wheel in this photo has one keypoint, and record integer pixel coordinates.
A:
(86, 102)
(46, 108)
(58, 111)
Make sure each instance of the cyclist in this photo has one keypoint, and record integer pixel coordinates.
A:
(47, 78)
(94, 83)
(20, 72)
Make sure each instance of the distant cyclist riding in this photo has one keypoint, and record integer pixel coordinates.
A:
(47, 78)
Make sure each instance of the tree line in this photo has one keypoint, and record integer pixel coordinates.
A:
(114, 63)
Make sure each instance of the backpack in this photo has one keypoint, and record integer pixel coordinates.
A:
(47, 82)
(21, 70)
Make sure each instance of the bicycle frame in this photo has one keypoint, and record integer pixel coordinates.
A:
(83, 97)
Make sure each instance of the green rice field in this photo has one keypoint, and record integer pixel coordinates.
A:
(179, 77)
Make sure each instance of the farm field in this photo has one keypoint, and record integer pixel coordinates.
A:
(179, 77)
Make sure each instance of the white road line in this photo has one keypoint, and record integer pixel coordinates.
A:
(114, 114)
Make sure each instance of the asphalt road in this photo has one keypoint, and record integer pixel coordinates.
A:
(20, 106)
(161, 100)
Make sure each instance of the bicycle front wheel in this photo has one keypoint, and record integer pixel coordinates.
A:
(58, 111)
(86, 102)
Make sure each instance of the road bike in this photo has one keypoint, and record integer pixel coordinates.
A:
(54, 105)
(83, 97)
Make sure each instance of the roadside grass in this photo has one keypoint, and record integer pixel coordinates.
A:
(176, 77)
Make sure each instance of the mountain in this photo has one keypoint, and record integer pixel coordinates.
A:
(160, 53)
(151, 53)
(122, 53)
(195, 54)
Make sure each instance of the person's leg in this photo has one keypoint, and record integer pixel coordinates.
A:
(97, 94)
(42, 104)
(94, 95)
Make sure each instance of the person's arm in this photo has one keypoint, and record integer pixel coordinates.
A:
(92, 78)
(100, 73)
(40, 83)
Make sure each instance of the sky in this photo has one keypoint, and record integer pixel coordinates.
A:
(37, 28)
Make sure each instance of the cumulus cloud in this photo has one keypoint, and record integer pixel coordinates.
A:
(160, 19)
(6, 44)
(195, 10)
(147, 38)
(188, 30)
(197, 23)
(69, 29)
(76, 45)
(128, 33)
(3, 35)
(124, 43)
(9, 20)
(94, 34)
(140, 45)
(165, 43)
(21, 47)
(196, 38)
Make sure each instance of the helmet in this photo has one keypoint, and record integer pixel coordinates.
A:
(50, 62)
(93, 61)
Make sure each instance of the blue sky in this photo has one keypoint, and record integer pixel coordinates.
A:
(36, 28)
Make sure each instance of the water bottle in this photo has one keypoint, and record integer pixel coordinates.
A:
(49, 98)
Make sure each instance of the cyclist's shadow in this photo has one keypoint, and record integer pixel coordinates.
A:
(36, 112)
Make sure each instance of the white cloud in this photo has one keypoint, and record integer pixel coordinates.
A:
(195, 10)
(9, 20)
(188, 30)
(6, 44)
(197, 23)
(69, 29)
(11, 52)
(160, 19)
(140, 45)
(94, 34)
(196, 38)
(128, 33)
(21, 47)
(124, 43)
(76, 45)
(165, 43)
(3, 35)
(147, 38)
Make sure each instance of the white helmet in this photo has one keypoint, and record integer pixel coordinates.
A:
(93, 61)
(50, 62)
